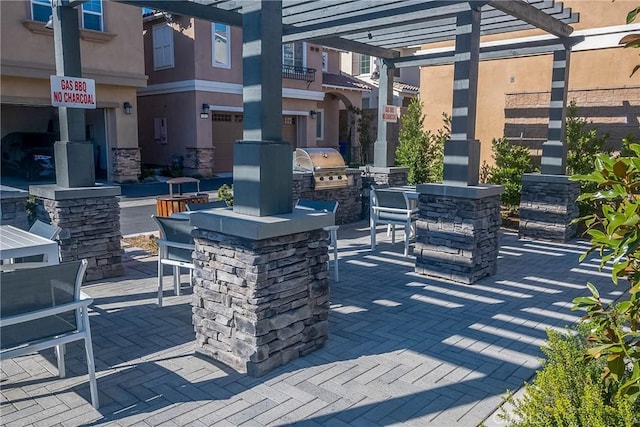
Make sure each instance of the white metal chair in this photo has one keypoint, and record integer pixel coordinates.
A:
(43, 308)
(41, 229)
(174, 248)
(392, 207)
(325, 206)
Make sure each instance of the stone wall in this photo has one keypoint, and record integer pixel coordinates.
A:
(260, 303)
(610, 110)
(13, 207)
(349, 198)
(125, 164)
(199, 161)
(90, 230)
(547, 206)
(457, 236)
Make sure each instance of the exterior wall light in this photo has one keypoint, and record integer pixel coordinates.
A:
(127, 107)
(313, 114)
(204, 113)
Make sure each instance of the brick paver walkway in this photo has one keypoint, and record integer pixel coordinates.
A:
(402, 349)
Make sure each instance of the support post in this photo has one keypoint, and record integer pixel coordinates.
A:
(383, 156)
(554, 151)
(462, 152)
(73, 153)
(262, 162)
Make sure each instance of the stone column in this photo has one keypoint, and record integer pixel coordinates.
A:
(548, 200)
(199, 160)
(90, 222)
(261, 287)
(125, 164)
(13, 207)
(457, 231)
(547, 207)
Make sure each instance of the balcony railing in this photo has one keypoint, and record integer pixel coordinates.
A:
(298, 73)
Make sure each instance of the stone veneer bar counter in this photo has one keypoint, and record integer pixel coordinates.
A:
(457, 231)
(90, 221)
(261, 287)
(547, 207)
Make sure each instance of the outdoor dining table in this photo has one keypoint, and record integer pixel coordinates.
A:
(409, 190)
(17, 243)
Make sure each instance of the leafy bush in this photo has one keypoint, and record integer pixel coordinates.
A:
(583, 145)
(366, 137)
(567, 391)
(419, 150)
(226, 193)
(511, 161)
(615, 235)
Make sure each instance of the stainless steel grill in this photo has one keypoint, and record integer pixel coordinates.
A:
(326, 164)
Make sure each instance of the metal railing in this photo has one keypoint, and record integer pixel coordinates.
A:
(298, 73)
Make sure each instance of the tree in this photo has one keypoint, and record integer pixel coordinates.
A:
(366, 138)
(421, 150)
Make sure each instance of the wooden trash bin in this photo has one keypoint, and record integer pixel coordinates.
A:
(167, 205)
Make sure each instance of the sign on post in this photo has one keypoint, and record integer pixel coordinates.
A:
(73, 92)
(390, 114)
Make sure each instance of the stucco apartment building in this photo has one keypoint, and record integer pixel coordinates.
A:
(111, 51)
(191, 111)
(513, 94)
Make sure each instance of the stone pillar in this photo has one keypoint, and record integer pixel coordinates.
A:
(261, 287)
(125, 164)
(547, 206)
(13, 207)
(457, 231)
(90, 222)
(199, 161)
(391, 176)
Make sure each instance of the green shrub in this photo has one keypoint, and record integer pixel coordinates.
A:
(226, 193)
(419, 150)
(568, 391)
(511, 161)
(583, 145)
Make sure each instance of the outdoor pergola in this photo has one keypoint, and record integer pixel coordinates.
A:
(380, 29)
(273, 247)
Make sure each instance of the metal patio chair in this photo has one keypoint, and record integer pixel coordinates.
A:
(175, 246)
(392, 207)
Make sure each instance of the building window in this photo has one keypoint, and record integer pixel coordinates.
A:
(293, 54)
(325, 62)
(364, 65)
(162, 47)
(221, 45)
(92, 15)
(40, 10)
(320, 124)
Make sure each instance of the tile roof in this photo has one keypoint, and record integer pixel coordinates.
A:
(342, 80)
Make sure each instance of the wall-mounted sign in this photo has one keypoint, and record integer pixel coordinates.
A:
(73, 92)
(390, 114)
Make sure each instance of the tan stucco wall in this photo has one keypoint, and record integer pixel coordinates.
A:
(120, 55)
(602, 68)
(183, 51)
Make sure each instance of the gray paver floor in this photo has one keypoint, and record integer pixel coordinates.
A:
(403, 348)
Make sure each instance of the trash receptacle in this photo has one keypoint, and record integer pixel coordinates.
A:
(167, 205)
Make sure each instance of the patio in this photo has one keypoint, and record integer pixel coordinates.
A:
(402, 348)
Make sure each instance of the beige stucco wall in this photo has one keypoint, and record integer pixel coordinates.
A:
(602, 68)
(115, 63)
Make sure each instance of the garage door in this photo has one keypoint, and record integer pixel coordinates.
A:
(227, 129)
(289, 130)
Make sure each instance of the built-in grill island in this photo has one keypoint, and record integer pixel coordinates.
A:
(326, 164)
(320, 174)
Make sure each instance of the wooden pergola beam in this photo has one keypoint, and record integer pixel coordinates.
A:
(531, 15)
